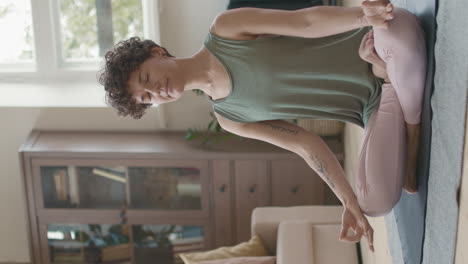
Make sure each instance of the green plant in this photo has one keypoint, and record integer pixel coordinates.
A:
(161, 238)
(114, 235)
(213, 131)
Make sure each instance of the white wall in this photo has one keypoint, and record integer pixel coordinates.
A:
(184, 25)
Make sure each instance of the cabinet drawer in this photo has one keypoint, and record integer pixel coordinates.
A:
(222, 203)
(294, 182)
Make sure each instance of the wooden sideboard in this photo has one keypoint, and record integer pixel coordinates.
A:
(127, 197)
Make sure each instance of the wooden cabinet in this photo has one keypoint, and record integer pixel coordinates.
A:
(252, 189)
(295, 183)
(130, 197)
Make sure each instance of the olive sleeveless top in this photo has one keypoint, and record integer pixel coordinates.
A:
(286, 77)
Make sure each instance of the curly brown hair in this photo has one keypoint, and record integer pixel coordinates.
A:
(126, 56)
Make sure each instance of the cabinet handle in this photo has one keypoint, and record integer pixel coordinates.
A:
(295, 189)
(252, 188)
(123, 219)
(222, 188)
(123, 214)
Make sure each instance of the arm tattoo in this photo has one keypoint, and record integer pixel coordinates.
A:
(280, 128)
(322, 168)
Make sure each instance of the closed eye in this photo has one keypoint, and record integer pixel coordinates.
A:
(148, 101)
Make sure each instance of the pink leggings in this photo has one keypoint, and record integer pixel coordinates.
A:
(382, 163)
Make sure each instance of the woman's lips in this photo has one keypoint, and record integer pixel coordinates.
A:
(168, 88)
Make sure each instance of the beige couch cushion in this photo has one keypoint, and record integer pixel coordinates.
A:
(265, 220)
(302, 242)
(295, 242)
(254, 247)
(329, 249)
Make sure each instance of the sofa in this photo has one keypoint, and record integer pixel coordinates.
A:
(303, 234)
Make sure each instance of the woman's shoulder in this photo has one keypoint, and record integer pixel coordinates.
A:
(224, 32)
(228, 124)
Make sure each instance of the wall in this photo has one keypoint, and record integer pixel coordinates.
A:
(180, 36)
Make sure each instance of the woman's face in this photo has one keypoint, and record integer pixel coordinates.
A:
(153, 82)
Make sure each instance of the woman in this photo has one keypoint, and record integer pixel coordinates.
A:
(259, 66)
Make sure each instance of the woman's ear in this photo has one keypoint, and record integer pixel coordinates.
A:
(157, 51)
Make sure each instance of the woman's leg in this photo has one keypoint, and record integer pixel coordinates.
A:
(382, 162)
(402, 47)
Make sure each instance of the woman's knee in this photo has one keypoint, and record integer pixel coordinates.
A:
(404, 31)
(377, 205)
(412, 112)
(377, 200)
(408, 82)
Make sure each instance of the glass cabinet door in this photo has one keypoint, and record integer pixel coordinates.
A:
(139, 244)
(165, 188)
(93, 243)
(169, 188)
(83, 187)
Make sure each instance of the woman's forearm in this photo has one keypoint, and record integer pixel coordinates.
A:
(330, 20)
(322, 160)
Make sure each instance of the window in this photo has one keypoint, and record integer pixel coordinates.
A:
(65, 40)
(16, 27)
(88, 28)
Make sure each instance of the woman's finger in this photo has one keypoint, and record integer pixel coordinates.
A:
(389, 7)
(357, 236)
(349, 239)
(368, 231)
(344, 231)
(363, 41)
(370, 237)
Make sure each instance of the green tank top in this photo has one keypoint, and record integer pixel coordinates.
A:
(286, 77)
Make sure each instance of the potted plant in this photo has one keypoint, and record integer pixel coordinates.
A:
(151, 245)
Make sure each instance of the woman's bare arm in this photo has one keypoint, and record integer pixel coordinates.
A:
(312, 22)
(330, 20)
(319, 157)
(306, 144)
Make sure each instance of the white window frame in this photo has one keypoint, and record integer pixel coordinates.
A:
(49, 67)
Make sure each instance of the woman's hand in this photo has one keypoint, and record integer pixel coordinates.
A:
(354, 218)
(377, 13)
(368, 53)
(366, 49)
